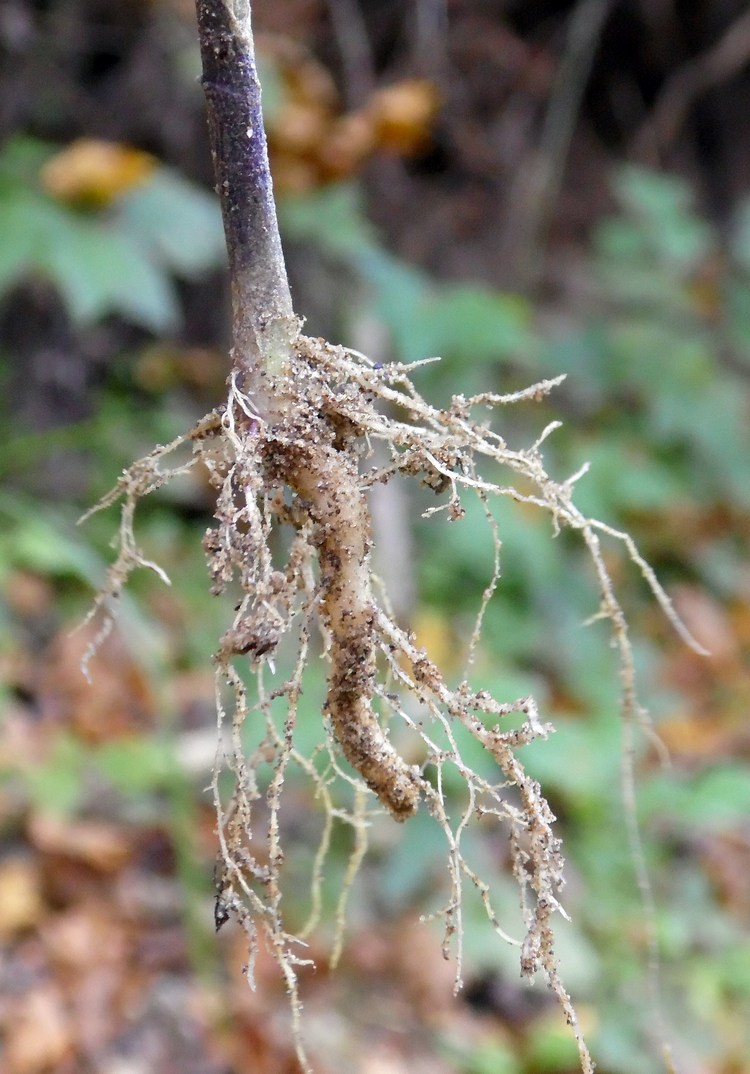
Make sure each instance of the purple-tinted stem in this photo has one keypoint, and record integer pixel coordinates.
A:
(264, 325)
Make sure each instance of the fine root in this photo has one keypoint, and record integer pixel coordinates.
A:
(302, 480)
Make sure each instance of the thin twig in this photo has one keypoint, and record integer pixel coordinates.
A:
(538, 183)
(712, 67)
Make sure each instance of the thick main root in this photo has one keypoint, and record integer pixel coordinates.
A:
(327, 480)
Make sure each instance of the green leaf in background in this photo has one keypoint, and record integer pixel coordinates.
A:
(552, 1050)
(582, 763)
(624, 476)
(416, 863)
(29, 223)
(101, 270)
(737, 298)
(137, 765)
(397, 291)
(177, 222)
(489, 1057)
(97, 269)
(43, 541)
(114, 261)
(132, 766)
(661, 206)
(473, 324)
(716, 798)
(21, 159)
(57, 784)
(17, 246)
(332, 218)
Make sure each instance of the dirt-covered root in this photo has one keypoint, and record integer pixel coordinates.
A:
(327, 480)
(300, 455)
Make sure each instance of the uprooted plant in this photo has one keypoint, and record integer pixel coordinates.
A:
(293, 452)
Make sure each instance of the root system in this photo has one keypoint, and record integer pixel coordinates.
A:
(307, 474)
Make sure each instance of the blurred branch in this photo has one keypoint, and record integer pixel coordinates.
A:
(538, 182)
(354, 48)
(717, 64)
(431, 38)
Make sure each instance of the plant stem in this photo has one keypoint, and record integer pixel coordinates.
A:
(300, 444)
(264, 326)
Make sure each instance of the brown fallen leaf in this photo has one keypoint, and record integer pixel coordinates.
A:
(21, 903)
(39, 1035)
(708, 620)
(118, 700)
(726, 860)
(84, 937)
(102, 846)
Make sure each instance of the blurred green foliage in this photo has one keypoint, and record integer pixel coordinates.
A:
(657, 354)
(121, 259)
(658, 361)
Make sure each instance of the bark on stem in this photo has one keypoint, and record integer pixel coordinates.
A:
(264, 326)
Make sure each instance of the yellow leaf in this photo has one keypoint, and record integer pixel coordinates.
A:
(403, 114)
(94, 173)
